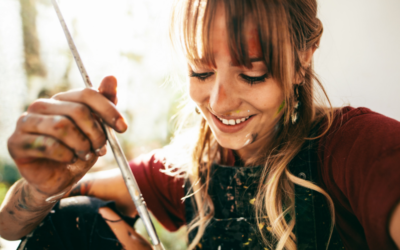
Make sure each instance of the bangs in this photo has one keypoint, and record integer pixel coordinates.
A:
(268, 17)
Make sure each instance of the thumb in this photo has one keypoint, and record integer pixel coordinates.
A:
(108, 88)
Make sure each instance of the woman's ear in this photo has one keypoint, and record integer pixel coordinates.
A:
(306, 56)
(305, 59)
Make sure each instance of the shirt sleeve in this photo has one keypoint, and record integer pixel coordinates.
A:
(361, 164)
(161, 192)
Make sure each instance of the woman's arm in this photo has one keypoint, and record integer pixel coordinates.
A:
(361, 171)
(106, 185)
(394, 225)
(22, 210)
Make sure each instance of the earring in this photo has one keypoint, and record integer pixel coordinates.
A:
(197, 110)
(297, 103)
(316, 46)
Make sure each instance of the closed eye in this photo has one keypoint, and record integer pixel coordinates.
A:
(201, 76)
(254, 79)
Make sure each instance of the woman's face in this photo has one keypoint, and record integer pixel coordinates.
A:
(241, 105)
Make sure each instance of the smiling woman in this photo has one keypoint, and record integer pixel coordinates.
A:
(227, 92)
(268, 166)
(247, 62)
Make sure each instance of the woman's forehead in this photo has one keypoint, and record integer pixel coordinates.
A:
(253, 42)
(220, 36)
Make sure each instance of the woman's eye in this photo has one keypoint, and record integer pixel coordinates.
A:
(201, 76)
(254, 79)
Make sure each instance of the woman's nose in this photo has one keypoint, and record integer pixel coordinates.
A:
(223, 97)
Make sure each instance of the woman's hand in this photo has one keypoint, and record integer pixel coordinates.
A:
(59, 139)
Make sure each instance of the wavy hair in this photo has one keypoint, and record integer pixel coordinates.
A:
(286, 29)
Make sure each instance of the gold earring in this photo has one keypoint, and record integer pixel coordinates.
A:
(295, 113)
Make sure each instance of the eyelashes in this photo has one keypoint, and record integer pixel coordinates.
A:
(251, 80)
(201, 76)
(254, 79)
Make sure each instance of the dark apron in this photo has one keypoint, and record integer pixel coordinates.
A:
(75, 224)
(233, 189)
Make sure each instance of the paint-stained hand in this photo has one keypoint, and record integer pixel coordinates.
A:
(59, 139)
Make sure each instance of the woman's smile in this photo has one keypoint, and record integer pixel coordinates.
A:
(230, 124)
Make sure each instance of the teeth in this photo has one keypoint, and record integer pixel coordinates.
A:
(233, 121)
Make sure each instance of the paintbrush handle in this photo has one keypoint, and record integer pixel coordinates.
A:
(132, 186)
(119, 155)
(72, 47)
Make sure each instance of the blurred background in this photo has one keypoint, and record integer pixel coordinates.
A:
(358, 62)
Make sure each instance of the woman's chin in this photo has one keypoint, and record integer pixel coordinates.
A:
(233, 144)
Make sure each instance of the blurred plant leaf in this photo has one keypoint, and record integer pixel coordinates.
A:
(132, 56)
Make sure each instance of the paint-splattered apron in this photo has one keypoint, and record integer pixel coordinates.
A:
(75, 224)
(233, 189)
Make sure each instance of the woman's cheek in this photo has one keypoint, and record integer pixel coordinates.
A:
(268, 98)
(192, 91)
(197, 92)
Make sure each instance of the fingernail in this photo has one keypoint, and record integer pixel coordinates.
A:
(121, 125)
(88, 156)
(101, 151)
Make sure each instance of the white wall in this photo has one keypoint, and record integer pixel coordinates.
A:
(359, 57)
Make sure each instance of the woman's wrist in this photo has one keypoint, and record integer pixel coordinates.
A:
(23, 208)
(33, 199)
(30, 199)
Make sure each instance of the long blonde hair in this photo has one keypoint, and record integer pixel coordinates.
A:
(286, 28)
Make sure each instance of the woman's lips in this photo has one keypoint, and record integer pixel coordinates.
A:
(229, 128)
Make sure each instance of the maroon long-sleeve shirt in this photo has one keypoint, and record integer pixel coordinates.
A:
(359, 168)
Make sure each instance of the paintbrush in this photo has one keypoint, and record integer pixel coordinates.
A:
(119, 155)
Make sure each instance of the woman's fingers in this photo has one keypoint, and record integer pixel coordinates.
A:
(108, 88)
(59, 127)
(28, 146)
(67, 127)
(99, 104)
(80, 114)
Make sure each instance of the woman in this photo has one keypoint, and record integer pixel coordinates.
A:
(269, 168)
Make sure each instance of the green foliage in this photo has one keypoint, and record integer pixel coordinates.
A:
(8, 173)
(3, 190)
(170, 240)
